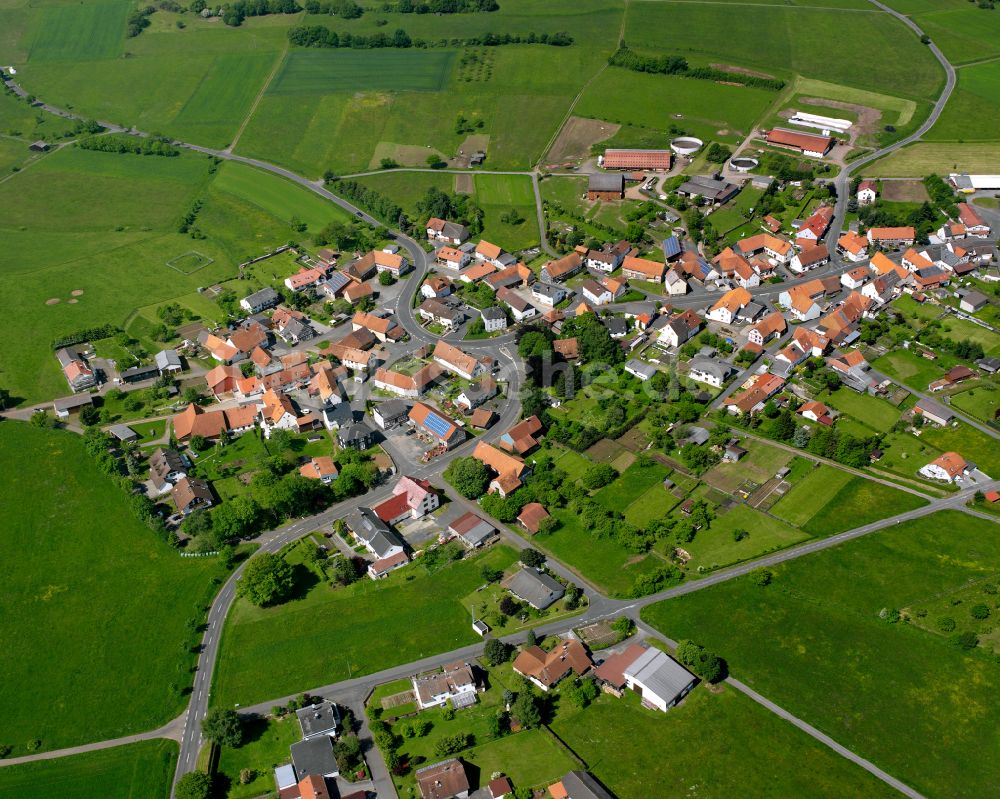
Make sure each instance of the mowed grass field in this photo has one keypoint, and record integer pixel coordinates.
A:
(137, 771)
(95, 606)
(923, 158)
(714, 745)
(330, 635)
(717, 547)
(813, 642)
(973, 107)
(964, 32)
(320, 71)
(497, 195)
(783, 40)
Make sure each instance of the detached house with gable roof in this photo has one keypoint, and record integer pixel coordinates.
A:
(728, 305)
(454, 360)
(803, 300)
(412, 498)
(449, 232)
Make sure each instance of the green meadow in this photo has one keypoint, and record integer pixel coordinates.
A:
(322, 71)
(973, 108)
(96, 612)
(143, 770)
(814, 641)
(83, 32)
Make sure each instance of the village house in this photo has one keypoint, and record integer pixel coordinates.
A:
(454, 360)
(333, 287)
(815, 227)
(306, 278)
(454, 683)
(932, 412)
(383, 328)
(867, 192)
(853, 246)
(810, 258)
(260, 300)
(643, 371)
(390, 414)
(816, 411)
(494, 319)
(320, 468)
(407, 385)
(522, 437)
(477, 393)
(715, 190)
(973, 221)
(595, 293)
(609, 257)
(492, 254)
(436, 286)
(547, 669)
(446, 314)
(562, 268)
(710, 371)
(531, 517)
(754, 393)
(277, 412)
(412, 498)
(77, 371)
(579, 785)
(948, 467)
(548, 294)
(436, 425)
(355, 435)
(451, 258)
(634, 268)
(892, 237)
(774, 247)
(380, 540)
(855, 278)
(444, 780)
(679, 329)
(971, 301)
(802, 301)
(449, 232)
(520, 308)
(839, 325)
(675, 284)
(809, 144)
(771, 326)
(728, 305)
(196, 421)
(509, 470)
(191, 493)
(852, 368)
(510, 277)
(166, 467)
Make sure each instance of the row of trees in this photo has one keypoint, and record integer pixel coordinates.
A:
(678, 65)
(345, 9)
(234, 13)
(440, 7)
(123, 143)
(321, 36)
(374, 202)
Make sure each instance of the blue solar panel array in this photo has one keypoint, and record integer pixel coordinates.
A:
(337, 281)
(437, 425)
(671, 247)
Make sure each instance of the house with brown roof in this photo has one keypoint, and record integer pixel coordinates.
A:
(771, 326)
(531, 517)
(816, 411)
(522, 437)
(867, 192)
(490, 253)
(810, 258)
(546, 669)
(680, 329)
(407, 385)
(444, 780)
(853, 246)
(356, 292)
(320, 468)
(754, 393)
(803, 300)
(948, 467)
(562, 268)
(652, 160)
(166, 467)
(196, 421)
(222, 379)
(815, 227)
(191, 493)
(509, 471)
(383, 328)
(774, 247)
(447, 314)
(443, 230)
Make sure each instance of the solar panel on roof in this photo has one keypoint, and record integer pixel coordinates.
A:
(671, 246)
(437, 425)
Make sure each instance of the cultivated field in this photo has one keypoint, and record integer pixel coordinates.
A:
(922, 158)
(87, 581)
(322, 71)
(814, 642)
(138, 770)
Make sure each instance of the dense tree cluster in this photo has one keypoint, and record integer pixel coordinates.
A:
(234, 13)
(267, 580)
(345, 9)
(707, 665)
(678, 65)
(374, 202)
(440, 6)
(459, 208)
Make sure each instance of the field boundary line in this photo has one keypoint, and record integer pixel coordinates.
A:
(258, 98)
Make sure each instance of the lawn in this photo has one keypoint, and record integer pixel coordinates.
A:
(814, 643)
(600, 560)
(873, 412)
(714, 745)
(409, 615)
(981, 402)
(857, 503)
(497, 195)
(975, 101)
(407, 188)
(909, 368)
(320, 71)
(138, 771)
(717, 547)
(809, 495)
(85, 577)
(760, 464)
(963, 330)
(635, 481)
(971, 443)
(267, 742)
(963, 32)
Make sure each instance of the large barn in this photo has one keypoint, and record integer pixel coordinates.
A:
(658, 160)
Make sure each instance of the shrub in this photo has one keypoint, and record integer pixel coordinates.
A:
(980, 612)
(946, 624)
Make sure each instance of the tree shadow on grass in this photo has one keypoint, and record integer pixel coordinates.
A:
(304, 581)
(254, 727)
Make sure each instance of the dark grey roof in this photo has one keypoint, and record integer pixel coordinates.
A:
(314, 756)
(548, 290)
(718, 369)
(296, 328)
(374, 532)
(929, 406)
(645, 369)
(341, 414)
(537, 589)
(266, 296)
(494, 313)
(580, 785)
(123, 432)
(359, 431)
(602, 181)
(140, 372)
(319, 719)
(616, 326)
(711, 188)
(76, 401)
(697, 435)
(671, 247)
(390, 409)
(67, 355)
